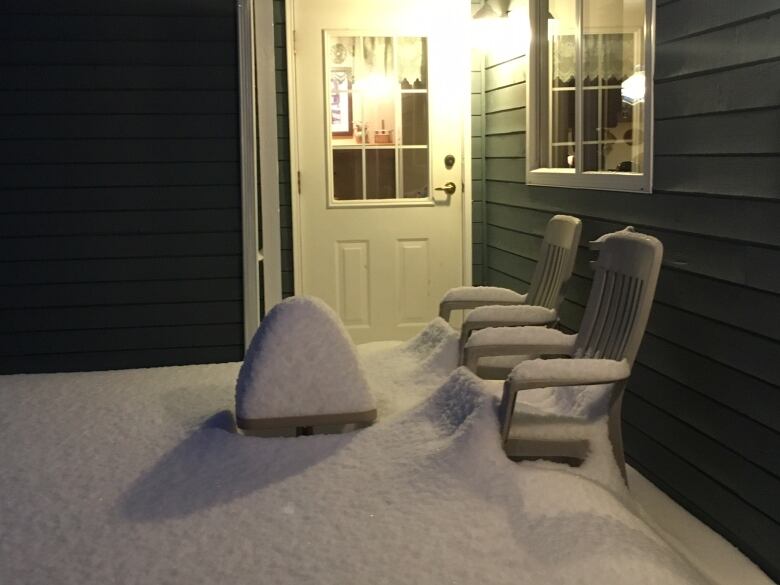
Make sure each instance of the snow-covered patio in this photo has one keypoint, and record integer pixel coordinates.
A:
(137, 477)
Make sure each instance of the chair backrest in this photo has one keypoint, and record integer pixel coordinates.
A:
(556, 261)
(619, 305)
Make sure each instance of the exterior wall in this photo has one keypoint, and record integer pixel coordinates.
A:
(702, 415)
(120, 210)
(283, 129)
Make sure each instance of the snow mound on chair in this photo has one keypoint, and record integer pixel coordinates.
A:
(301, 362)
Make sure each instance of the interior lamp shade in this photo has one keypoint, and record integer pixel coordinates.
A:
(632, 89)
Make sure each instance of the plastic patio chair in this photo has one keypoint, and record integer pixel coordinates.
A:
(495, 307)
(602, 353)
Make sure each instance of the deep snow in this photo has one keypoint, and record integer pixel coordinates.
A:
(135, 477)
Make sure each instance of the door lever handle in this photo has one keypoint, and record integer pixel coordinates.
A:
(449, 188)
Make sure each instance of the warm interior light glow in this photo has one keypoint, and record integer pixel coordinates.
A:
(520, 30)
(553, 27)
(632, 89)
(375, 85)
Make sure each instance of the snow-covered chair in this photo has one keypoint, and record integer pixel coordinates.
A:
(302, 372)
(503, 307)
(602, 353)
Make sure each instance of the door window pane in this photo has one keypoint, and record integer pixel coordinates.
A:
(347, 175)
(380, 173)
(412, 63)
(415, 175)
(414, 114)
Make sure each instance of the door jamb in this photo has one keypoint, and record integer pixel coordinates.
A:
(257, 108)
(466, 228)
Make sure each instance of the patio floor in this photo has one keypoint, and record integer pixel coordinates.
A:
(134, 477)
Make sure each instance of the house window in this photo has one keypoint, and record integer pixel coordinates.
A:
(590, 102)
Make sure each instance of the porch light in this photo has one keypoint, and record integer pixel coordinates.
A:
(632, 89)
(486, 25)
(496, 27)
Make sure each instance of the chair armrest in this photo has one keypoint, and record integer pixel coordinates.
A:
(516, 341)
(555, 373)
(504, 316)
(470, 297)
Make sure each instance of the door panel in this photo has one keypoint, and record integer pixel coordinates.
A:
(352, 283)
(380, 100)
(412, 282)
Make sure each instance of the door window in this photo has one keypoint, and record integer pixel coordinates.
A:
(377, 104)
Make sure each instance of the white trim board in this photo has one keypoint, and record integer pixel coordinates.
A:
(258, 149)
(716, 558)
(249, 234)
(265, 68)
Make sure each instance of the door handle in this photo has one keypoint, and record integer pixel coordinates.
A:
(449, 188)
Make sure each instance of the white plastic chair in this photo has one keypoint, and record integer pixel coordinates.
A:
(603, 351)
(496, 307)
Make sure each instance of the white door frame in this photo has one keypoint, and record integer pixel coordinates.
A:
(294, 167)
(258, 110)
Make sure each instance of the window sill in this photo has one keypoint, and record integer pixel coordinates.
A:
(626, 182)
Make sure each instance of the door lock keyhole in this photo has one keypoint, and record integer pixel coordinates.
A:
(449, 161)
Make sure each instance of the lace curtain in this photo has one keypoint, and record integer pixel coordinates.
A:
(607, 59)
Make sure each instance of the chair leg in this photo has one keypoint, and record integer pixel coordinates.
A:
(616, 433)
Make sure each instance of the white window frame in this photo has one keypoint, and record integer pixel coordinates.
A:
(537, 111)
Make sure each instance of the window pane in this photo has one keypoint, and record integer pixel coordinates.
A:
(412, 63)
(414, 114)
(614, 85)
(347, 175)
(415, 173)
(380, 173)
(561, 35)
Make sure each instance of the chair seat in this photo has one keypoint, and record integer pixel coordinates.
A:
(484, 294)
(554, 423)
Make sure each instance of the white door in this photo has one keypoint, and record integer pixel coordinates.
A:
(380, 111)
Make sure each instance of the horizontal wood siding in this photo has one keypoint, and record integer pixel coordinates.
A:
(283, 129)
(702, 414)
(120, 209)
(477, 165)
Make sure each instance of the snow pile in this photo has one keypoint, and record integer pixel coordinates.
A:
(301, 362)
(134, 477)
(402, 374)
(139, 479)
(569, 412)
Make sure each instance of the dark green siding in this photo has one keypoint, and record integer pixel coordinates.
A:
(702, 416)
(283, 129)
(120, 209)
